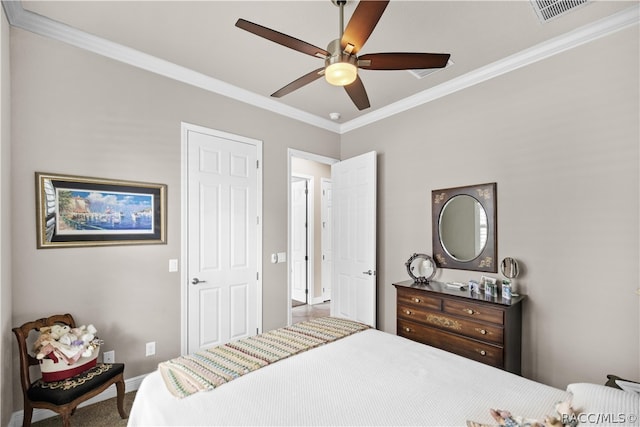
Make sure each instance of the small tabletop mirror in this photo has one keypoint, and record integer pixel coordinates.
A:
(509, 268)
(421, 268)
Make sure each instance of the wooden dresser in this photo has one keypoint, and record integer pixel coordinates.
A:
(483, 328)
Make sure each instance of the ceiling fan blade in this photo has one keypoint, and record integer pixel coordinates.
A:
(298, 83)
(358, 94)
(402, 61)
(361, 25)
(283, 39)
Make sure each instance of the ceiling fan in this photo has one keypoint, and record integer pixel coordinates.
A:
(340, 57)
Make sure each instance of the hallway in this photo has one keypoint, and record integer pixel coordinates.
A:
(306, 311)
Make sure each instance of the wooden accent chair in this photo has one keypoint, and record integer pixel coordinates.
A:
(63, 396)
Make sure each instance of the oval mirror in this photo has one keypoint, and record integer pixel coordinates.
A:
(463, 228)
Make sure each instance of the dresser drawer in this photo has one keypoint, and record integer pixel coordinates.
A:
(474, 311)
(458, 325)
(470, 348)
(419, 298)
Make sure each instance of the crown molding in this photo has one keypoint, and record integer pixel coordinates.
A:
(41, 25)
(38, 24)
(601, 28)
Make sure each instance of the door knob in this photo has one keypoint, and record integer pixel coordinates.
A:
(195, 281)
(369, 272)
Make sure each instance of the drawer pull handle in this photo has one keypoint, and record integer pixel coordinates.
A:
(408, 312)
(416, 299)
(469, 311)
(407, 329)
(483, 353)
(483, 331)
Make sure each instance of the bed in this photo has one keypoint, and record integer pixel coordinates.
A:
(366, 378)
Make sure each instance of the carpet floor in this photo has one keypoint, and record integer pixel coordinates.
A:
(101, 414)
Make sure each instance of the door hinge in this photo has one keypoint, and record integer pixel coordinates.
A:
(257, 164)
(306, 258)
(258, 220)
(257, 275)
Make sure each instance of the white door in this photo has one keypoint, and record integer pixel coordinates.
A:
(299, 251)
(326, 234)
(223, 238)
(354, 237)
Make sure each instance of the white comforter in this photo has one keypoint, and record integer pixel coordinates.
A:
(369, 378)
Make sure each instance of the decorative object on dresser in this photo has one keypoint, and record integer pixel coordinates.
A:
(484, 328)
(488, 285)
(421, 268)
(464, 221)
(510, 270)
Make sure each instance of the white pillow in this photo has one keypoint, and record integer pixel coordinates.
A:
(596, 404)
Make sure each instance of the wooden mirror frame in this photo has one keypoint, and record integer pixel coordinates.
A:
(485, 194)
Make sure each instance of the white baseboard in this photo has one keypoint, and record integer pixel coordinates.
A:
(317, 300)
(130, 384)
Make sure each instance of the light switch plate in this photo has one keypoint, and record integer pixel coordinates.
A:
(173, 265)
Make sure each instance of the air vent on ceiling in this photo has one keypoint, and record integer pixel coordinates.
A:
(549, 9)
(420, 74)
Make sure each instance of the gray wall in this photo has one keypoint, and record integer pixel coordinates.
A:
(6, 365)
(82, 114)
(560, 138)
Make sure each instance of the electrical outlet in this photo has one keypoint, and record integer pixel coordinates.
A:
(151, 348)
(109, 357)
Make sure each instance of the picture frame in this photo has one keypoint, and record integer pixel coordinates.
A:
(74, 211)
(486, 279)
(474, 287)
(489, 285)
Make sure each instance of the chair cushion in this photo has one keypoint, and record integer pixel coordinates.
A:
(64, 391)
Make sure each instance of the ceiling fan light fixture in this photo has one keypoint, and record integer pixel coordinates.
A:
(341, 73)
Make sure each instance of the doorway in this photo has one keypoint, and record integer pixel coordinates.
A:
(314, 171)
(302, 237)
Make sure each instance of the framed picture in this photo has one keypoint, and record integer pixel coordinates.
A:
(474, 286)
(488, 285)
(76, 211)
(486, 279)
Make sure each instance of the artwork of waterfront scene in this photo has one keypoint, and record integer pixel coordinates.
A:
(111, 212)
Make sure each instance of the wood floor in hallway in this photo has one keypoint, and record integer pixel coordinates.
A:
(306, 312)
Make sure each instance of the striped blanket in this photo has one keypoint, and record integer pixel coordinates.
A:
(210, 368)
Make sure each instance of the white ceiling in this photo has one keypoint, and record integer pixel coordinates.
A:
(201, 37)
